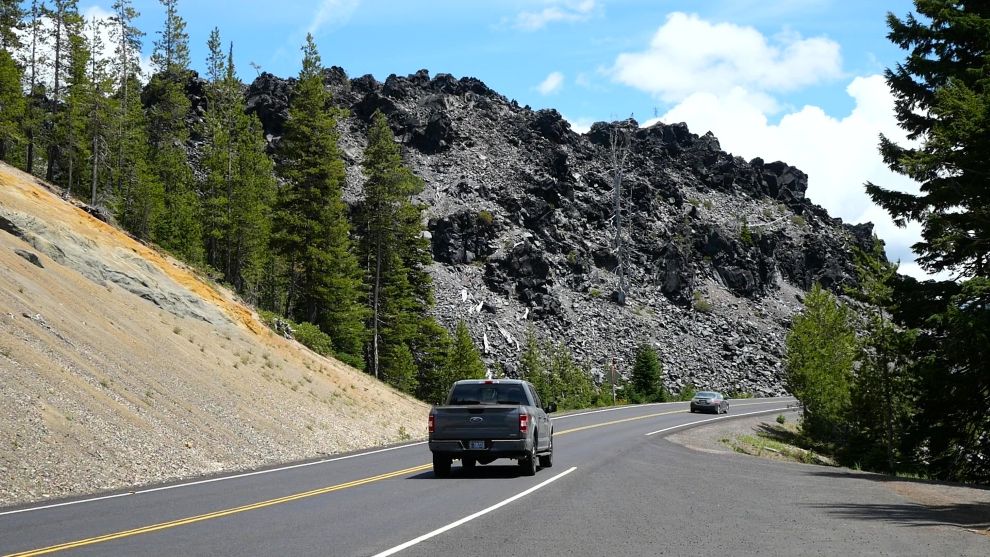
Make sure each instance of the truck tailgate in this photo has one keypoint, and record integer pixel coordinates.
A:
(477, 422)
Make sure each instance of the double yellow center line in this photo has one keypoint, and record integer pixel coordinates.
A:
(217, 514)
(286, 499)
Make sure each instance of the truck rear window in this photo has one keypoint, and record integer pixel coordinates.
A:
(487, 394)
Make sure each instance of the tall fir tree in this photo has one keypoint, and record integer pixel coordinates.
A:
(646, 381)
(942, 100)
(11, 96)
(389, 225)
(882, 391)
(178, 226)
(33, 59)
(465, 361)
(821, 349)
(11, 107)
(11, 24)
(238, 185)
(310, 227)
(99, 112)
(79, 95)
(63, 16)
(138, 196)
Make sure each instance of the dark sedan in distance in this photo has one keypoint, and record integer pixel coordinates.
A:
(709, 401)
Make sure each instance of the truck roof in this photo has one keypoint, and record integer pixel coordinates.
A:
(490, 382)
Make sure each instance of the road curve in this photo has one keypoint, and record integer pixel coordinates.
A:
(616, 487)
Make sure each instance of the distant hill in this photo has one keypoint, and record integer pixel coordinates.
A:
(121, 366)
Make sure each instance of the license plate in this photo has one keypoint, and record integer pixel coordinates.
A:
(476, 444)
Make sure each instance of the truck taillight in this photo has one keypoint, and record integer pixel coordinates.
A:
(433, 422)
(523, 423)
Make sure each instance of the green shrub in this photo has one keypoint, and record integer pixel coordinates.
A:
(700, 303)
(781, 419)
(485, 218)
(687, 392)
(313, 338)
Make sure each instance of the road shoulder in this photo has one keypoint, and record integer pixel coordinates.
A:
(956, 505)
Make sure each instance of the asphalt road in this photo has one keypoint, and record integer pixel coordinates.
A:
(617, 487)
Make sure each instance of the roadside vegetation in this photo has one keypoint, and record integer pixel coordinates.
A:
(895, 377)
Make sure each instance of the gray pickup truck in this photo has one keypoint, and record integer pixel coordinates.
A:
(486, 419)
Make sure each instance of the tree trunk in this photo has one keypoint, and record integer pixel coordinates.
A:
(375, 309)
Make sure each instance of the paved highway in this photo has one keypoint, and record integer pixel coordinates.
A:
(617, 487)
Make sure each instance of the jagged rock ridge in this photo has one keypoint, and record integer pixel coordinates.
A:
(719, 249)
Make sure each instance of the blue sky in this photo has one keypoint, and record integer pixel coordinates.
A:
(792, 80)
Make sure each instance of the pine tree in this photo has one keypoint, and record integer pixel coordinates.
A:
(434, 366)
(138, 197)
(100, 110)
(942, 99)
(64, 16)
(11, 22)
(78, 98)
(310, 228)
(239, 184)
(11, 97)
(881, 391)
(821, 349)
(178, 226)
(465, 361)
(391, 228)
(33, 60)
(11, 106)
(646, 381)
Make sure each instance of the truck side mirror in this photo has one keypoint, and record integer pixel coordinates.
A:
(551, 408)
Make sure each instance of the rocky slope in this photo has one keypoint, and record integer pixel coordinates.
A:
(120, 366)
(719, 249)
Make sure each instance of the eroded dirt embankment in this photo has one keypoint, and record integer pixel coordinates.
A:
(120, 366)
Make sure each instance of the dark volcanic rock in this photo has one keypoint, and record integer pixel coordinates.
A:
(520, 212)
(463, 237)
(268, 97)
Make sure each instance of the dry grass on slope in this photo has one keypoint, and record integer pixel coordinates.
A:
(101, 388)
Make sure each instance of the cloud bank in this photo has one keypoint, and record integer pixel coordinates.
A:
(730, 85)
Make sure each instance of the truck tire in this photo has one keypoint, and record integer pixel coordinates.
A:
(527, 464)
(441, 465)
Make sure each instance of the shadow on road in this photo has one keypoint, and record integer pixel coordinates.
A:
(973, 516)
(885, 478)
(490, 472)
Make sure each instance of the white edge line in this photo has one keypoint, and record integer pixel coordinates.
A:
(718, 418)
(210, 480)
(466, 519)
(630, 406)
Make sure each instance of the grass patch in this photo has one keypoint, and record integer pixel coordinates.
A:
(780, 442)
(700, 303)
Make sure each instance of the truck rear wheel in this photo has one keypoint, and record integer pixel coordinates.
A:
(441, 465)
(527, 464)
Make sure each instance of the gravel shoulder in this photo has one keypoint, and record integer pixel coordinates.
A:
(942, 503)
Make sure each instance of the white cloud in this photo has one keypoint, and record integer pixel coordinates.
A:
(559, 10)
(580, 125)
(838, 154)
(688, 55)
(552, 84)
(332, 13)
